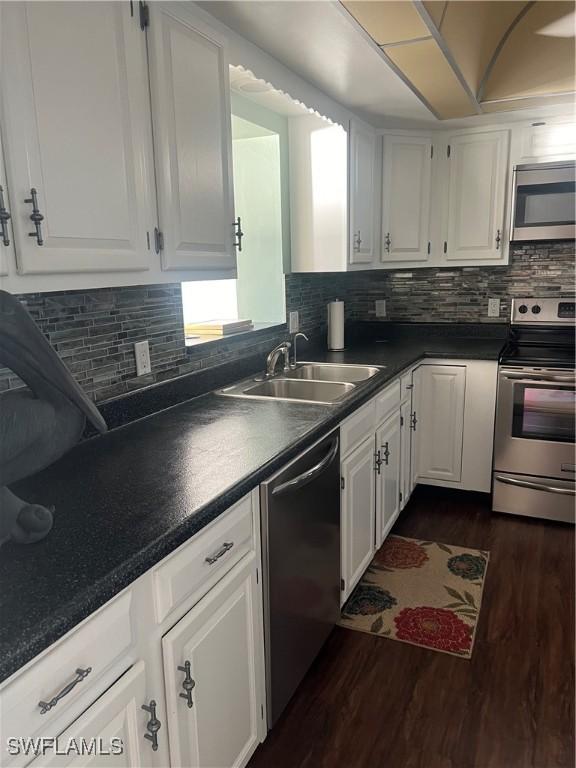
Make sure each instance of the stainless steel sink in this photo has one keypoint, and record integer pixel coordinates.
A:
(298, 390)
(334, 372)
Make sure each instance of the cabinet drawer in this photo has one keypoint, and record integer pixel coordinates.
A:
(100, 648)
(199, 563)
(387, 401)
(357, 428)
(406, 386)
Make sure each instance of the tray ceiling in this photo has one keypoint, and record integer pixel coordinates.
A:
(468, 57)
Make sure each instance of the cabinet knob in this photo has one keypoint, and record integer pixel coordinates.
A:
(4, 218)
(188, 684)
(35, 217)
(153, 725)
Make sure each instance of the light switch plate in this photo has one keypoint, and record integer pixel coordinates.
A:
(380, 307)
(142, 354)
(493, 307)
(293, 322)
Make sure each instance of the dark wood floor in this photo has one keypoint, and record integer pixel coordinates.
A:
(369, 702)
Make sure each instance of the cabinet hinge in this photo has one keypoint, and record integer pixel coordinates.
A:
(400, 495)
(429, 247)
(342, 483)
(158, 240)
(144, 15)
(401, 421)
(445, 246)
(262, 711)
(148, 239)
(257, 577)
(342, 585)
(431, 151)
(448, 151)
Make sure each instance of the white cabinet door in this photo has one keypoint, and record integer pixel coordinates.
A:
(439, 414)
(357, 513)
(478, 166)
(549, 141)
(192, 135)
(388, 478)
(363, 191)
(406, 190)
(6, 236)
(77, 130)
(221, 639)
(406, 479)
(115, 723)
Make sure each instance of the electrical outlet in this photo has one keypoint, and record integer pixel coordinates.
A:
(493, 307)
(380, 307)
(142, 354)
(293, 322)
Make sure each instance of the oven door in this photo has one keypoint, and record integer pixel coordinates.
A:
(544, 203)
(535, 422)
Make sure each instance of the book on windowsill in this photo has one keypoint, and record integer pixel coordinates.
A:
(218, 327)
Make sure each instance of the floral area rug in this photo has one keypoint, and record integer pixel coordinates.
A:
(420, 592)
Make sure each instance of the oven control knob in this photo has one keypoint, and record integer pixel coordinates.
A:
(536, 309)
(522, 309)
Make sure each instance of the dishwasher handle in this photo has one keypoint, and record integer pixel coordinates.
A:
(310, 474)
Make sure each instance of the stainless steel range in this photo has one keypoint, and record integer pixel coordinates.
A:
(534, 462)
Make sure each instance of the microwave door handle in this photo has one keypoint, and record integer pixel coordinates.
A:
(537, 486)
(310, 474)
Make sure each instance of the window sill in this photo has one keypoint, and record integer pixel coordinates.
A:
(260, 329)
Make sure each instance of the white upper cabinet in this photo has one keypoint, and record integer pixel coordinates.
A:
(76, 124)
(477, 175)
(192, 135)
(406, 191)
(363, 194)
(548, 141)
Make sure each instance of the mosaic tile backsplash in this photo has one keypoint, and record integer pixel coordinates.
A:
(94, 331)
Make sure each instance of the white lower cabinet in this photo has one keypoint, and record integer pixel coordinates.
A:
(114, 726)
(439, 415)
(213, 673)
(357, 513)
(388, 451)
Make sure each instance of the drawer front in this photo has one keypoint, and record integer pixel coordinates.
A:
(202, 561)
(406, 386)
(357, 428)
(52, 692)
(387, 401)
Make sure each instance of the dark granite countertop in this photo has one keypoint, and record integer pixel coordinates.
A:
(127, 499)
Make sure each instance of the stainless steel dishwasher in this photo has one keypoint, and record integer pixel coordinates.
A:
(301, 559)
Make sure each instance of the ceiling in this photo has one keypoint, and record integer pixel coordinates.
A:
(474, 56)
(401, 61)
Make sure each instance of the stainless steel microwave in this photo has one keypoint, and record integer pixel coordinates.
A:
(544, 201)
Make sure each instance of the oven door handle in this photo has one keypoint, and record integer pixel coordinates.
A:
(537, 486)
(534, 377)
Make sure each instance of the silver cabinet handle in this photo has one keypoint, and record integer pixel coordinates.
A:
(226, 547)
(153, 725)
(310, 474)
(4, 218)
(413, 421)
(537, 486)
(188, 684)
(35, 217)
(238, 234)
(386, 453)
(388, 242)
(498, 240)
(357, 241)
(46, 706)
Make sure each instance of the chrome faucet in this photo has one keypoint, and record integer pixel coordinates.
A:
(282, 349)
(294, 362)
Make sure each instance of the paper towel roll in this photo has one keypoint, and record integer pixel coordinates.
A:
(336, 325)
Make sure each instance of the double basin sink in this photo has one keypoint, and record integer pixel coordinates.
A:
(323, 383)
